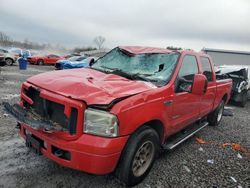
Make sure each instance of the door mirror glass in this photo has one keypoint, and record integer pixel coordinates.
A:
(185, 85)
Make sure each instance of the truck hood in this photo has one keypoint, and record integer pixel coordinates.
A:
(89, 85)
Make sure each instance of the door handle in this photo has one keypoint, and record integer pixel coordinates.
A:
(168, 103)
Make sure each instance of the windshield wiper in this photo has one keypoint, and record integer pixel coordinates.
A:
(140, 77)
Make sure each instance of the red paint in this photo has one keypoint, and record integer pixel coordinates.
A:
(199, 85)
(144, 50)
(47, 60)
(145, 103)
(101, 89)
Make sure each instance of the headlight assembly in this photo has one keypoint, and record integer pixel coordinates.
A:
(100, 123)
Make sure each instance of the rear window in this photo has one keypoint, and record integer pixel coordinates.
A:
(207, 69)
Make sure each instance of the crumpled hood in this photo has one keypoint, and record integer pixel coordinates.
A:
(89, 85)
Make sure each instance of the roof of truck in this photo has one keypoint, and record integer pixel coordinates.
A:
(144, 50)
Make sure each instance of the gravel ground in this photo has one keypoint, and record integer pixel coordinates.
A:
(186, 166)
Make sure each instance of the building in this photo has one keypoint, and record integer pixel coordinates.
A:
(228, 57)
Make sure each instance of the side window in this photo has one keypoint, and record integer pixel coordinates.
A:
(186, 74)
(54, 56)
(188, 68)
(207, 69)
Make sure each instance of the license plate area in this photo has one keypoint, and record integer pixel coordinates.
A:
(34, 143)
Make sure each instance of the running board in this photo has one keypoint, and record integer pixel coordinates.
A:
(177, 139)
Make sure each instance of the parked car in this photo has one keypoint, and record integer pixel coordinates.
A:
(50, 59)
(74, 62)
(118, 114)
(9, 57)
(241, 81)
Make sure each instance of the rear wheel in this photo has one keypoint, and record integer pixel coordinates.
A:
(40, 62)
(215, 117)
(138, 156)
(9, 62)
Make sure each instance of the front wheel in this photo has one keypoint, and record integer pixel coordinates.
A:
(40, 62)
(9, 62)
(138, 156)
(215, 117)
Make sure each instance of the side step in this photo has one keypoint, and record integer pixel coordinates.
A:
(177, 139)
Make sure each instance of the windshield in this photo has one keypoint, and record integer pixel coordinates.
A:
(74, 58)
(155, 68)
(81, 58)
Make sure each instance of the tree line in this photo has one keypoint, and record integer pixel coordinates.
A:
(7, 41)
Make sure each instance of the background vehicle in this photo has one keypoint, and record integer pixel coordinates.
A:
(74, 62)
(10, 58)
(117, 114)
(241, 81)
(50, 59)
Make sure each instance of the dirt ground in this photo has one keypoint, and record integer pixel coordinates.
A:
(189, 165)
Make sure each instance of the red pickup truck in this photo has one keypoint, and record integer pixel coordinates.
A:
(50, 59)
(118, 114)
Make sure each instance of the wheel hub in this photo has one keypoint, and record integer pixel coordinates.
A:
(143, 158)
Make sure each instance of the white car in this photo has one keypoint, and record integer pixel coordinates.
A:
(10, 57)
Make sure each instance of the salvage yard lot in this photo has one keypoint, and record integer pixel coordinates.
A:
(189, 165)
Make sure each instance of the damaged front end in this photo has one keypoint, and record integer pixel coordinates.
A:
(239, 76)
(40, 111)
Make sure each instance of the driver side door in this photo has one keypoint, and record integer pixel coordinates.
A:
(51, 59)
(185, 104)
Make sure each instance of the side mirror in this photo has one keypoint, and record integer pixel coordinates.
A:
(91, 62)
(199, 84)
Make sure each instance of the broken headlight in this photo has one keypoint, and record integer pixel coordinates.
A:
(100, 123)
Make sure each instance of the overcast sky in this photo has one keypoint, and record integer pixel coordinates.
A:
(185, 23)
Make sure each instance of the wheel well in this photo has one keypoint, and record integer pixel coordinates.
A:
(158, 126)
(40, 60)
(9, 58)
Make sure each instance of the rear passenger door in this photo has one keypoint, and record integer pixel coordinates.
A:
(185, 104)
(207, 100)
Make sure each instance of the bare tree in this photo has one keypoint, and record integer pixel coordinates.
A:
(5, 40)
(99, 41)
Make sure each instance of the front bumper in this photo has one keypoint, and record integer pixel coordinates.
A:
(92, 154)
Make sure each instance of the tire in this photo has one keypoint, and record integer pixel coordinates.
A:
(40, 62)
(215, 117)
(138, 156)
(9, 61)
(248, 94)
(244, 98)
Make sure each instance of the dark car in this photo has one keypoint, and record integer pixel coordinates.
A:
(241, 80)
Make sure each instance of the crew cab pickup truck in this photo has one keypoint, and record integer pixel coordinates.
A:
(116, 115)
